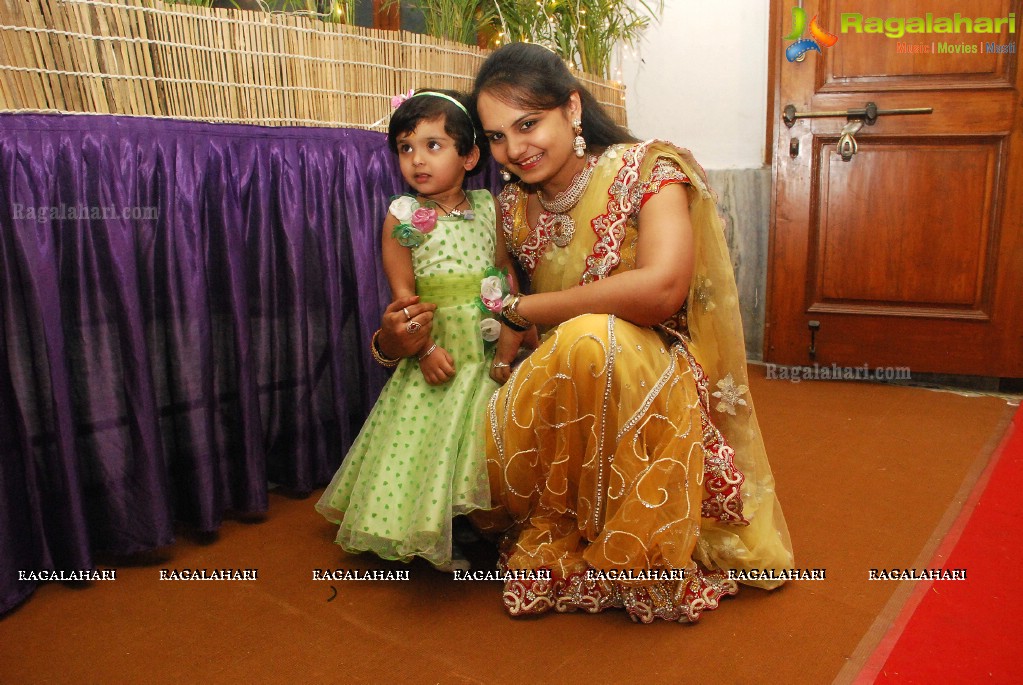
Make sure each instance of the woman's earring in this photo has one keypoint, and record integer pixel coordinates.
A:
(505, 175)
(579, 144)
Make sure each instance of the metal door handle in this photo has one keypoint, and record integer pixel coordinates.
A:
(857, 117)
(846, 142)
(867, 114)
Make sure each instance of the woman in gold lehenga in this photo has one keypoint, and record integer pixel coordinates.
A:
(624, 454)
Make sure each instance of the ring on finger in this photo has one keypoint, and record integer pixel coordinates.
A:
(408, 317)
(413, 326)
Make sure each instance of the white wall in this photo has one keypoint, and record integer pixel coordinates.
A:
(699, 79)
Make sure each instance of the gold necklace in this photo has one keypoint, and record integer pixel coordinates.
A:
(568, 198)
(562, 226)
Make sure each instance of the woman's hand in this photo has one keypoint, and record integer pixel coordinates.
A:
(438, 367)
(508, 345)
(396, 340)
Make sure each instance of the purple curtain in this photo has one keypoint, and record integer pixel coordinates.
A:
(185, 315)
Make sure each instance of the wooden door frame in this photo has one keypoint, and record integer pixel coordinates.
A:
(773, 81)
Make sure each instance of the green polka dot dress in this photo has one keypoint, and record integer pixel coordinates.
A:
(419, 459)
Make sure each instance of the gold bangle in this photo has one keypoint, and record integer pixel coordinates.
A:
(510, 314)
(378, 356)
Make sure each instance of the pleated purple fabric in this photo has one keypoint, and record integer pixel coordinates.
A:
(185, 316)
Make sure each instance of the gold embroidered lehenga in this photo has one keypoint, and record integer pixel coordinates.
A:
(621, 450)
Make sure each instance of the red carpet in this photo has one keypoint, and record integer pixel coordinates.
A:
(963, 631)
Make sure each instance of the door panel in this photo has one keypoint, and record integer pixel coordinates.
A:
(909, 253)
(865, 210)
(875, 59)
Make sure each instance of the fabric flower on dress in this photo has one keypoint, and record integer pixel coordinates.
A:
(414, 221)
(490, 329)
(730, 395)
(407, 236)
(492, 292)
(494, 288)
(402, 207)
(424, 219)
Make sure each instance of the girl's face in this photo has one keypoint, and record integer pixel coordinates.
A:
(429, 158)
(535, 145)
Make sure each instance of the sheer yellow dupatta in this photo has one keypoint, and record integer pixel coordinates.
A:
(715, 327)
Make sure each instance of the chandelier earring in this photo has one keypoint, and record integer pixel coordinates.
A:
(579, 144)
(505, 175)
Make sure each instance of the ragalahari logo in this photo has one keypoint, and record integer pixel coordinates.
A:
(819, 37)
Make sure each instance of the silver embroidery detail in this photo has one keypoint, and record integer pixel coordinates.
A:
(730, 395)
(612, 345)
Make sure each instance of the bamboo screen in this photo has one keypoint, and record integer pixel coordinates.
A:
(156, 59)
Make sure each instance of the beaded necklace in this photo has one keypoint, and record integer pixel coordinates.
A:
(562, 226)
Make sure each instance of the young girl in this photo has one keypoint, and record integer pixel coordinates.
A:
(419, 460)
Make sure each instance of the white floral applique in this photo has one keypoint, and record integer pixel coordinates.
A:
(495, 289)
(730, 395)
(490, 329)
(402, 207)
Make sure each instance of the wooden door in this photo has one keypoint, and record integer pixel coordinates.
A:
(909, 253)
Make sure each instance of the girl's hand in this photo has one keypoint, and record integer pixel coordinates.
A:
(396, 340)
(438, 367)
(508, 345)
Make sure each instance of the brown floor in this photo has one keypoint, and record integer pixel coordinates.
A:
(867, 474)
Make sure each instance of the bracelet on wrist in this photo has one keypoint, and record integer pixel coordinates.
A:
(511, 317)
(430, 351)
(378, 356)
(512, 325)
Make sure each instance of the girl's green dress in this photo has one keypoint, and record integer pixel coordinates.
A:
(420, 458)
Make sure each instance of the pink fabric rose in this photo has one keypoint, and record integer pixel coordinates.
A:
(424, 219)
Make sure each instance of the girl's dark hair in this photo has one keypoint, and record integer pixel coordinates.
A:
(457, 124)
(530, 77)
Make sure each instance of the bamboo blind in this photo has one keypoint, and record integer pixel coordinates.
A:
(149, 58)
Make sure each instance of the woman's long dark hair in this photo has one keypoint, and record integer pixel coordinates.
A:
(529, 76)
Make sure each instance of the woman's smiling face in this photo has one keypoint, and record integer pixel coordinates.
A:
(535, 145)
